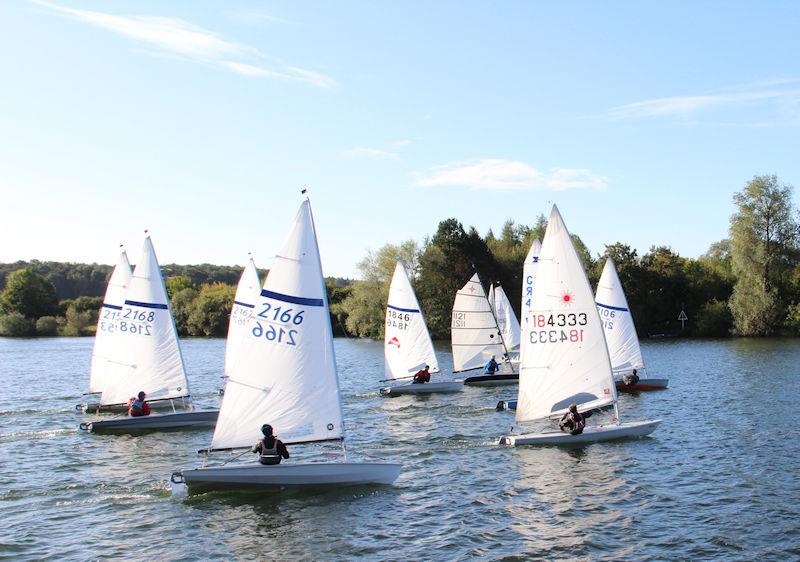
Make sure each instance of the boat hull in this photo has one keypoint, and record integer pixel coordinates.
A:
(154, 422)
(308, 475)
(155, 406)
(492, 380)
(592, 434)
(427, 388)
(643, 384)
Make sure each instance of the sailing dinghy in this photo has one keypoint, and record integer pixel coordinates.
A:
(285, 375)
(146, 355)
(407, 345)
(566, 359)
(475, 337)
(621, 336)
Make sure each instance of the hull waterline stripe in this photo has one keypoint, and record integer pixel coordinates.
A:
(147, 304)
(244, 304)
(115, 307)
(292, 299)
(611, 307)
(402, 309)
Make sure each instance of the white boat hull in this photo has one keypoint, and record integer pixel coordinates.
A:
(154, 422)
(179, 404)
(427, 388)
(592, 434)
(288, 475)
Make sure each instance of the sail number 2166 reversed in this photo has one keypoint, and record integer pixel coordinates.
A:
(279, 324)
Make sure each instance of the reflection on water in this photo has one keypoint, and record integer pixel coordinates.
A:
(716, 480)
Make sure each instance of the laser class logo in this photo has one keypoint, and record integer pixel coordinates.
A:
(394, 341)
(567, 298)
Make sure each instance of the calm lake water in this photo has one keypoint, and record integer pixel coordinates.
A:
(717, 480)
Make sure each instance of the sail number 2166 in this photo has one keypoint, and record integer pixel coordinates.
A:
(276, 318)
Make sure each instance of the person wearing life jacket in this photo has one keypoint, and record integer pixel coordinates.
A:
(573, 421)
(270, 449)
(491, 366)
(422, 376)
(138, 406)
(630, 380)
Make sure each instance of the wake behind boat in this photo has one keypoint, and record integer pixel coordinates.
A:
(145, 356)
(566, 360)
(407, 345)
(285, 375)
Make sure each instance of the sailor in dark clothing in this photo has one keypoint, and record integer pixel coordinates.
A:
(630, 380)
(270, 449)
(574, 421)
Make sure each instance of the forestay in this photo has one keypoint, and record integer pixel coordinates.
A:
(146, 354)
(621, 337)
(247, 293)
(565, 358)
(474, 332)
(285, 371)
(528, 276)
(505, 317)
(107, 333)
(407, 342)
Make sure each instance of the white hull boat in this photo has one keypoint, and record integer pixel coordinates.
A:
(154, 422)
(307, 475)
(591, 434)
(427, 388)
(155, 405)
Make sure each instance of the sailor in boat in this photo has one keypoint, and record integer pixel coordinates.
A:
(630, 380)
(270, 449)
(491, 366)
(422, 376)
(137, 406)
(573, 421)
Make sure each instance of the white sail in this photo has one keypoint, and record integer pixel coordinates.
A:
(506, 319)
(474, 332)
(247, 293)
(621, 337)
(407, 342)
(565, 358)
(528, 276)
(147, 355)
(106, 334)
(285, 370)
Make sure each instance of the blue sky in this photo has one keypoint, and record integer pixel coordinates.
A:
(202, 121)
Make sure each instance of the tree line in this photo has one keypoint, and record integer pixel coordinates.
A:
(747, 284)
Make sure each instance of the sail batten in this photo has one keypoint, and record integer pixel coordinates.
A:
(564, 359)
(407, 343)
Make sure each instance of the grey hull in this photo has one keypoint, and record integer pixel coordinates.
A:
(591, 434)
(306, 475)
(154, 422)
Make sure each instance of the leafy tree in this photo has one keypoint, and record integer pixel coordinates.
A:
(211, 310)
(15, 325)
(178, 283)
(763, 244)
(713, 320)
(47, 326)
(28, 293)
(182, 303)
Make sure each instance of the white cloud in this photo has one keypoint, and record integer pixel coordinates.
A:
(759, 92)
(404, 142)
(498, 174)
(362, 152)
(173, 35)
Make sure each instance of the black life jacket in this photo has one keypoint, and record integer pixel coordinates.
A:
(269, 455)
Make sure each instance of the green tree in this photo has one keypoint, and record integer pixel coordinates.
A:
(15, 325)
(182, 304)
(28, 293)
(178, 283)
(47, 326)
(211, 310)
(763, 244)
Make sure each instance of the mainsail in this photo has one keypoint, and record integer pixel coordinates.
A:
(247, 293)
(506, 319)
(621, 337)
(285, 370)
(107, 333)
(407, 342)
(474, 332)
(146, 355)
(565, 358)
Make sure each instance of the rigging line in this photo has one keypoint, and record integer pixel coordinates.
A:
(248, 385)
